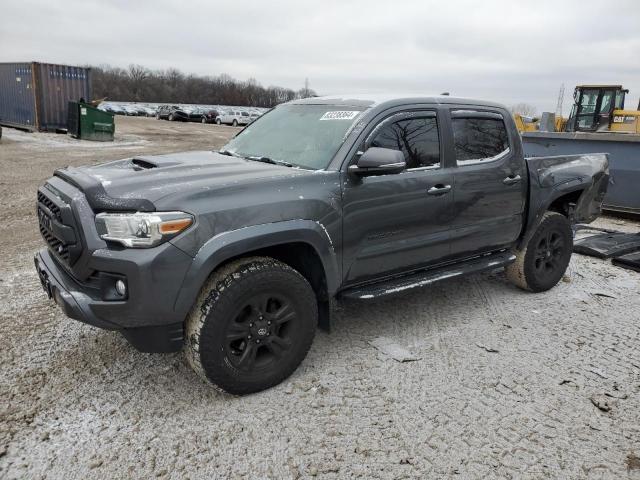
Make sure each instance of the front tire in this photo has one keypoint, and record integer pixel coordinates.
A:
(545, 258)
(218, 121)
(170, 117)
(234, 123)
(251, 326)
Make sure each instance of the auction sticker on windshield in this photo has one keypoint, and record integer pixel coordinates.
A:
(340, 115)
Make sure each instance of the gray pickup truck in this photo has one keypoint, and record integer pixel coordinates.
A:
(236, 255)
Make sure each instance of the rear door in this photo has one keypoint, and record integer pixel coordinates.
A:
(398, 222)
(490, 182)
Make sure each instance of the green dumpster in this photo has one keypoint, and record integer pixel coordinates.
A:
(89, 123)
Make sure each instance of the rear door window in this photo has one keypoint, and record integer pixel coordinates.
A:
(417, 138)
(479, 139)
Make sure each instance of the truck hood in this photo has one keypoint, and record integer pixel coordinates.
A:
(138, 183)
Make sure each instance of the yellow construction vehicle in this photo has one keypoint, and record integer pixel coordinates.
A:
(596, 108)
(600, 108)
(626, 121)
(598, 123)
(525, 124)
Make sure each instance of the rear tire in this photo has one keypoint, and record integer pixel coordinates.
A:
(170, 117)
(218, 121)
(204, 120)
(251, 326)
(545, 258)
(234, 123)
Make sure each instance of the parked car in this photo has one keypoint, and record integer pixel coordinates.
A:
(130, 110)
(140, 109)
(233, 117)
(254, 115)
(195, 114)
(149, 111)
(112, 108)
(162, 112)
(210, 116)
(172, 113)
(236, 256)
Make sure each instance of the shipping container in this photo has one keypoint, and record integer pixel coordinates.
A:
(35, 96)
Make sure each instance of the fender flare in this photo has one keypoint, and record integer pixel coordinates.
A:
(536, 212)
(235, 243)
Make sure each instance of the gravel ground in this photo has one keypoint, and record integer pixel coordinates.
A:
(507, 385)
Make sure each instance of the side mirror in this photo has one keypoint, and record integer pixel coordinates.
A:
(378, 161)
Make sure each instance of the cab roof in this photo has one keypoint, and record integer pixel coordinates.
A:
(389, 100)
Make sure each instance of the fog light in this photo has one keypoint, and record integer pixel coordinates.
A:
(121, 288)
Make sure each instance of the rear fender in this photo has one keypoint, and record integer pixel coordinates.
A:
(551, 178)
(236, 243)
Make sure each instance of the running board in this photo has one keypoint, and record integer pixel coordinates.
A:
(427, 277)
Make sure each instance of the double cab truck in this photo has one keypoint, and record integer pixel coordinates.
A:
(236, 256)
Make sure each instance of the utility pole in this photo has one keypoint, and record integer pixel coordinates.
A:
(560, 102)
(306, 87)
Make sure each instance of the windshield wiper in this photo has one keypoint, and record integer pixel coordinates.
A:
(229, 153)
(255, 158)
(258, 158)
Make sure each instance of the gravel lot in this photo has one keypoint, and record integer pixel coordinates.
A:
(505, 387)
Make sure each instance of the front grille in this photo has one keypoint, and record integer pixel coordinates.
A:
(47, 202)
(57, 227)
(55, 245)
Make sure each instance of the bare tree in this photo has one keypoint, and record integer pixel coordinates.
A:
(138, 74)
(524, 109)
(138, 83)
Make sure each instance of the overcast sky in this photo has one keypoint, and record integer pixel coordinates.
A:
(508, 51)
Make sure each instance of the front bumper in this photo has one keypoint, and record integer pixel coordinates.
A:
(59, 287)
(79, 302)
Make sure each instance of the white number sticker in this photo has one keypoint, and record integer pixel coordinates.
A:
(342, 115)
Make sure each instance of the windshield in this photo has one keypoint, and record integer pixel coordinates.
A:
(306, 136)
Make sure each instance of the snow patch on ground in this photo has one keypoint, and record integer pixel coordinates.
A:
(57, 140)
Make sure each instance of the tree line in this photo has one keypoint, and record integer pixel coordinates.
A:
(140, 84)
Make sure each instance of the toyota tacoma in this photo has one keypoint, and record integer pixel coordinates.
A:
(237, 255)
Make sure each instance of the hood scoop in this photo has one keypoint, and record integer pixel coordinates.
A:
(143, 164)
(148, 163)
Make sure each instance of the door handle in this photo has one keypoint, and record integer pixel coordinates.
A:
(439, 189)
(512, 179)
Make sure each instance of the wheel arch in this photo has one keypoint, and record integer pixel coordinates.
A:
(304, 245)
(569, 201)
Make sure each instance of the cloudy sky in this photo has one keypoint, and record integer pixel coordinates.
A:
(508, 51)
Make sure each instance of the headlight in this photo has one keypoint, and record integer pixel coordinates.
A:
(141, 230)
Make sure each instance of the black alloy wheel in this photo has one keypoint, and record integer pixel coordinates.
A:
(262, 332)
(252, 325)
(549, 254)
(544, 260)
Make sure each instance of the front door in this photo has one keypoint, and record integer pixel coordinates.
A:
(397, 222)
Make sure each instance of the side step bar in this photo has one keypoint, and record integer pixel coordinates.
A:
(427, 277)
